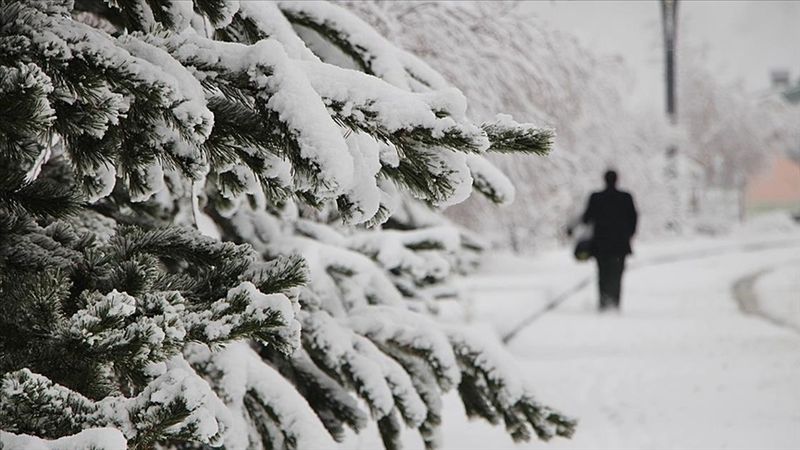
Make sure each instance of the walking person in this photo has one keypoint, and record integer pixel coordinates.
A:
(612, 215)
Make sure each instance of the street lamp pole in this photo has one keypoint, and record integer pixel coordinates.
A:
(669, 22)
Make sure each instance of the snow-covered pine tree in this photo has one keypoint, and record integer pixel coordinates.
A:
(185, 186)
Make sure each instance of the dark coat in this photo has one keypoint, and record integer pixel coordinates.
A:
(613, 217)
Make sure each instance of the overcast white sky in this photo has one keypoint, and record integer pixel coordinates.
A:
(743, 40)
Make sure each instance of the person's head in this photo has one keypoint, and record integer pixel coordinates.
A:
(611, 178)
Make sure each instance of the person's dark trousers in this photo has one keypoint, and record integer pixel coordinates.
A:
(609, 279)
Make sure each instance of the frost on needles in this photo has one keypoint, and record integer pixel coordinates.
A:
(216, 229)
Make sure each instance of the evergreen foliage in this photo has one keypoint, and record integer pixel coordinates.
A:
(185, 186)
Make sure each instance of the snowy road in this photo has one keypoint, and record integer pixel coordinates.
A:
(681, 367)
(744, 289)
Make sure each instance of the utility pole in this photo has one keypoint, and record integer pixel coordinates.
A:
(669, 22)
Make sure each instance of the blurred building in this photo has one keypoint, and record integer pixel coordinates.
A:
(778, 186)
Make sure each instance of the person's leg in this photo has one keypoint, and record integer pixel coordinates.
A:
(602, 282)
(615, 282)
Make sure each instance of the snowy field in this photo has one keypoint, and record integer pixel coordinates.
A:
(683, 366)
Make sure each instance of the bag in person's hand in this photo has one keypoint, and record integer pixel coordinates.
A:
(583, 244)
(583, 249)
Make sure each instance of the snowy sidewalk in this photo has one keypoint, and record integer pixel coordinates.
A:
(681, 367)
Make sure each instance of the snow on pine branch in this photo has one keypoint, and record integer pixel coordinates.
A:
(257, 20)
(415, 123)
(100, 86)
(409, 332)
(343, 29)
(338, 24)
(409, 252)
(436, 361)
(25, 88)
(253, 390)
(341, 279)
(355, 360)
(490, 181)
(193, 111)
(280, 86)
(491, 389)
(177, 403)
(377, 56)
(395, 114)
(418, 124)
(373, 53)
(104, 438)
(509, 136)
(247, 312)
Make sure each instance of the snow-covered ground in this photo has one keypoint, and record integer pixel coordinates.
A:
(777, 285)
(683, 365)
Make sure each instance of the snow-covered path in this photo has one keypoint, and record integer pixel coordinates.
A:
(681, 367)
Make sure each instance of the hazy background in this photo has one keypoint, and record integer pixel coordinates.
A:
(594, 71)
(743, 40)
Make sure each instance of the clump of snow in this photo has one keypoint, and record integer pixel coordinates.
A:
(409, 330)
(390, 107)
(268, 18)
(242, 373)
(339, 347)
(489, 179)
(492, 360)
(451, 166)
(103, 438)
(178, 385)
(101, 310)
(152, 182)
(220, 320)
(363, 194)
(191, 110)
(194, 392)
(320, 232)
(385, 60)
(392, 249)
(288, 92)
(105, 180)
(256, 227)
(388, 154)
(405, 396)
(362, 274)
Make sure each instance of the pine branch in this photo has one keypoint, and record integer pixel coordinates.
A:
(368, 50)
(40, 198)
(278, 275)
(390, 428)
(181, 244)
(25, 113)
(332, 403)
(490, 181)
(32, 404)
(247, 313)
(217, 11)
(507, 136)
(415, 173)
(489, 391)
